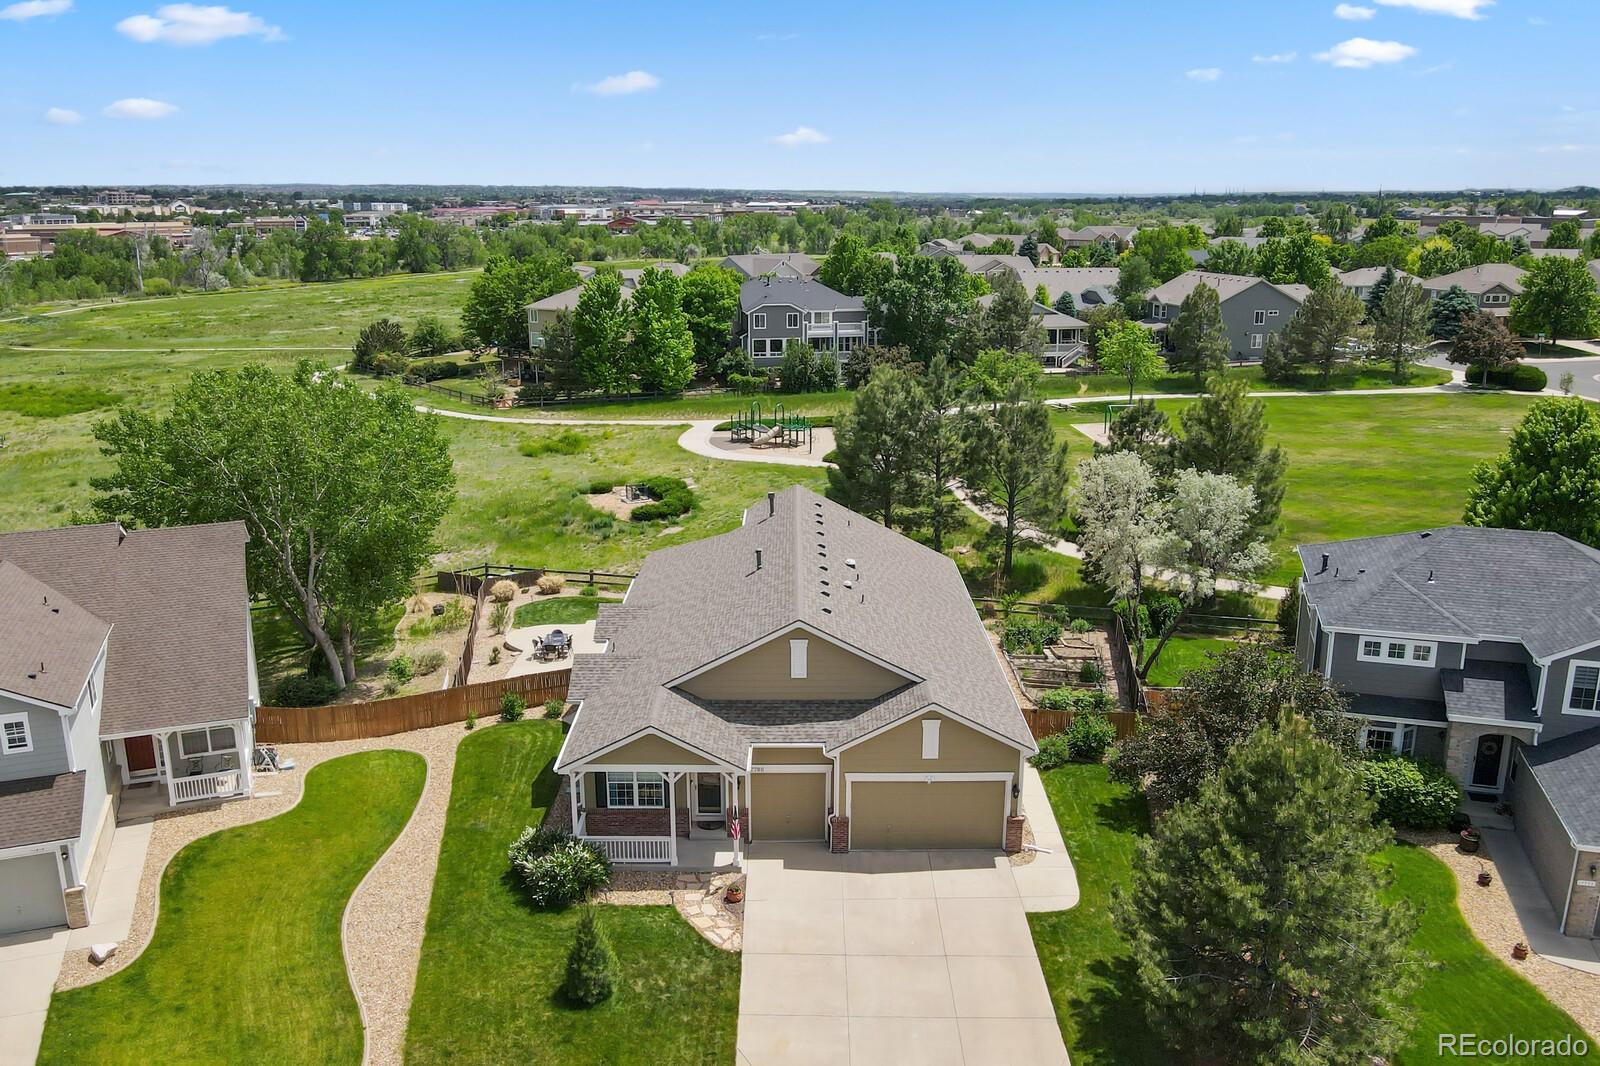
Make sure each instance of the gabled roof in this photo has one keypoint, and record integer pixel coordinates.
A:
(567, 299)
(1043, 313)
(1076, 280)
(1364, 277)
(1460, 583)
(1227, 285)
(178, 609)
(48, 644)
(1480, 279)
(900, 603)
(804, 293)
(1568, 772)
(752, 266)
(40, 810)
(983, 262)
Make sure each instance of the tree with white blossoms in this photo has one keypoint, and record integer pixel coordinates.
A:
(1193, 534)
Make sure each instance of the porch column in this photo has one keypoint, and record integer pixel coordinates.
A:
(245, 753)
(572, 796)
(166, 765)
(672, 812)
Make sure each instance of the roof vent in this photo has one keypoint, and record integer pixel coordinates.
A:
(1425, 534)
(1324, 569)
(758, 558)
(1430, 577)
(851, 563)
(772, 503)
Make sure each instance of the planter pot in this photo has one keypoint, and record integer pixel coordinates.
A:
(1485, 878)
(734, 894)
(1470, 839)
(1519, 951)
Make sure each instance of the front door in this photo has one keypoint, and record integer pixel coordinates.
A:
(141, 754)
(1486, 763)
(708, 797)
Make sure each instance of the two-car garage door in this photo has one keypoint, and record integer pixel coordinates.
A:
(926, 814)
(30, 893)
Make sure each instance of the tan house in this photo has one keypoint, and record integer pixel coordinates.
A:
(810, 675)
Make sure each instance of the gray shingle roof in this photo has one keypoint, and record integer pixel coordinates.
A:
(1362, 277)
(1491, 691)
(804, 293)
(1480, 279)
(1461, 583)
(179, 611)
(906, 605)
(1076, 280)
(1568, 770)
(48, 644)
(752, 266)
(1227, 285)
(37, 810)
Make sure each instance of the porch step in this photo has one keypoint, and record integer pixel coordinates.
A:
(1484, 817)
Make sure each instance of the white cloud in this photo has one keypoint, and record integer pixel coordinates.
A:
(1461, 9)
(801, 135)
(1359, 53)
(1203, 74)
(1565, 149)
(139, 107)
(1276, 57)
(1538, 20)
(32, 9)
(635, 81)
(62, 116)
(192, 24)
(1353, 13)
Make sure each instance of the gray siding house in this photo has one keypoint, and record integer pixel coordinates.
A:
(127, 686)
(776, 310)
(1493, 285)
(1252, 308)
(1478, 649)
(784, 265)
(542, 312)
(1361, 280)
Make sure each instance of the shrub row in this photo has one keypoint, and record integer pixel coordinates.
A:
(673, 498)
(301, 690)
(1087, 739)
(433, 370)
(1520, 377)
(1410, 793)
(1093, 700)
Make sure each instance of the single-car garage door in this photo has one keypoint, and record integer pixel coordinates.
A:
(927, 814)
(30, 894)
(788, 806)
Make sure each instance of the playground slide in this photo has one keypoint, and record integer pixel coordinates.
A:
(766, 436)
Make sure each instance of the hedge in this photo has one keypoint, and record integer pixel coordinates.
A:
(1409, 793)
(673, 498)
(1520, 377)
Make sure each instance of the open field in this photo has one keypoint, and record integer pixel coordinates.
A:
(488, 986)
(247, 965)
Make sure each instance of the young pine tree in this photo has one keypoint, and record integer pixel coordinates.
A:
(591, 964)
(1257, 922)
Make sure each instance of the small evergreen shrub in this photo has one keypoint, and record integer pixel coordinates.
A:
(472, 720)
(1410, 793)
(301, 690)
(1520, 377)
(673, 497)
(1054, 750)
(554, 708)
(1090, 736)
(512, 707)
(569, 872)
(429, 661)
(503, 591)
(590, 964)
(401, 669)
(598, 487)
(589, 591)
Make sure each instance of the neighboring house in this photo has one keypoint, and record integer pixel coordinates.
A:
(1120, 236)
(542, 312)
(1090, 286)
(1361, 280)
(1478, 649)
(940, 246)
(1534, 233)
(127, 682)
(992, 266)
(810, 676)
(1493, 285)
(1252, 308)
(1556, 253)
(776, 310)
(1064, 335)
(786, 265)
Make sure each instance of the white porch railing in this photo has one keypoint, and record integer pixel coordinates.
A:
(207, 786)
(635, 849)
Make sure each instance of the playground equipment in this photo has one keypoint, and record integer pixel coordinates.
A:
(1110, 413)
(781, 430)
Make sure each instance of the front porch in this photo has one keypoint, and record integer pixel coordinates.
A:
(168, 768)
(659, 817)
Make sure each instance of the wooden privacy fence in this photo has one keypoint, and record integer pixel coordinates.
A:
(381, 718)
(468, 582)
(1044, 723)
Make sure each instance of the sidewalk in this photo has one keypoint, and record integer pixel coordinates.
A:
(1049, 882)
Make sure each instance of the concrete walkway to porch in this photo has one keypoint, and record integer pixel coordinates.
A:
(30, 962)
(1538, 918)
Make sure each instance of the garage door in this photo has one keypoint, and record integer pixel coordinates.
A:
(788, 806)
(30, 894)
(926, 814)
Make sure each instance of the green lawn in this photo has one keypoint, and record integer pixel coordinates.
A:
(488, 987)
(561, 610)
(246, 965)
(1348, 377)
(1466, 989)
(515, 508)
(1367, 465)
(1184, 652)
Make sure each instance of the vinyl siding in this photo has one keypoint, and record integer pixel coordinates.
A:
(1557, 722)
(789, 757)
(49, 755)
(762, 673)
(89, 756)
(899, 751)
(651, 751)
(1544, 839)
(1391, 679)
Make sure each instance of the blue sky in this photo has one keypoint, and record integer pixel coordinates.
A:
(1070, 96)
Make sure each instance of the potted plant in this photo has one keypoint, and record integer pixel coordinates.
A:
(1470, 839)
(1485, 878)
(735, 893)
(1519, 951)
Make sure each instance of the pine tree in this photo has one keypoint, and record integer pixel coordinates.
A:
(591, 964)
(1225, 432)
(1379, 288)
(1257, 921)
(1010, 452)
(1144, 430)
(1066, 304)
(1449, 311)
(938, 436)
(1199, 337)
(1030, 249)
(876, 451)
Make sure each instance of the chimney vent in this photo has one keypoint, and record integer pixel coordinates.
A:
(772, 503)
(1430, 577)
(1324, 569)
(758, 558)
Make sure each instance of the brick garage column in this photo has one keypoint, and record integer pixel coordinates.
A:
(1014, 826)
(77, 907)
(838, 834)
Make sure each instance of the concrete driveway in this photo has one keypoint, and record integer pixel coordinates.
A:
(901, 956)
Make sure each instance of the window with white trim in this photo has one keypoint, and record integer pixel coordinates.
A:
(1389, 737)
(1257, 340)
(822, 318)
(758, 320)
(1261, 318)
(758, 346)
(797, 658)
(644, 788)
(1496, 298)
(792, 320)
(930, 738)
(213, 741)
(1397, 652)
(15, 738)
(1583, 689)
